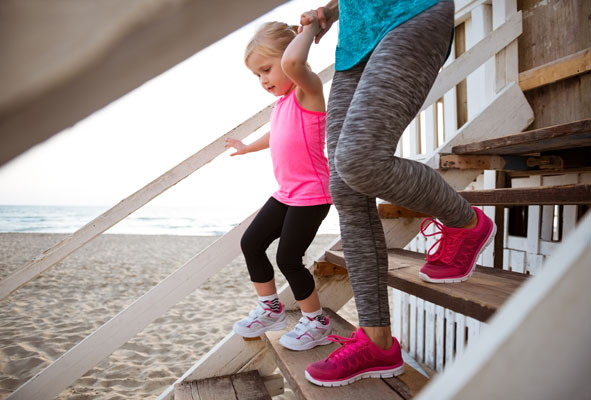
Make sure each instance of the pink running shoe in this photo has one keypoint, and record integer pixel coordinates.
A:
(357, 358)
(457, 251)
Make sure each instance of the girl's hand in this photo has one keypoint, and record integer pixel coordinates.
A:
(325, 16)
(312, 22)
(238, 145)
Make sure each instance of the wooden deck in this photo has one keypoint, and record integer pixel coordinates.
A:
(244, 386)
(479, 297)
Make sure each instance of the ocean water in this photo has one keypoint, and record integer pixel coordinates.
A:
(150, 220)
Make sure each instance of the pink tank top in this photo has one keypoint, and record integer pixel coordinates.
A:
(297, 151)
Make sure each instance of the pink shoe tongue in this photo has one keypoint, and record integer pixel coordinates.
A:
(362, 336)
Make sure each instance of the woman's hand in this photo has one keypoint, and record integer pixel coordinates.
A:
(326, 16)
(238, 145)
(312, 22)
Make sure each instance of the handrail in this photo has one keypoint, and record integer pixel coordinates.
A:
(113, 334)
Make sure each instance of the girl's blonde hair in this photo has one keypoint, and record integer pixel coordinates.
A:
(271, 39)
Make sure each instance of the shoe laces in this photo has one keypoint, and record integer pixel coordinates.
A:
(349, 345)
(446, 245)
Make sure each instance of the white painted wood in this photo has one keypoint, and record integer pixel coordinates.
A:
(534, 263)
(464, 10)
(420, 355)
(125, 325)
(516, 242)
(413, 326)
(548, 248)
(397, 313)
(132, 203)
(473, 329)
(520, 348)
(468, 62)
(439, 337)
(460, 333)
(533, 229)
(479, 84)
(490, 182)
(569, 219)
(431, 128)
(547, 221)
(511, 104)
(414, 137)
(506, 61)
(404, 339)
(450, 336)
(430, 334)
(517, 260)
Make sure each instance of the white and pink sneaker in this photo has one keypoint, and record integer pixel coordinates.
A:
(308, 333)
(261, 320)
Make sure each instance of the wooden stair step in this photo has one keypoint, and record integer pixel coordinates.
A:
(293, 364)
(244, 386)
(479, 297)
(565, 136)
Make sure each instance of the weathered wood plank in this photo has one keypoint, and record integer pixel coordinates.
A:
(563, 136)
(562, 68)
(478, 297)
(216, 389)
(409, 384)
(184, 391)
(325, 268)
(388, 210)
(294, 363)
(566, 194)
(250, 386)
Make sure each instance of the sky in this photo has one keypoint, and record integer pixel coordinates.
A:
(118, 149)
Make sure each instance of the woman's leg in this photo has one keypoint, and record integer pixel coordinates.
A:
(362, 234)
(391, 91)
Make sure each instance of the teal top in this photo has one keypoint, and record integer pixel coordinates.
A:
(364, 23)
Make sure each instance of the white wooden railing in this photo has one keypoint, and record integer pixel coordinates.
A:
(508, 102)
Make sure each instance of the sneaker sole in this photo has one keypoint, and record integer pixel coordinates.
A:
(277, 326)
(310, 345)
(465, 277)
(370, 374)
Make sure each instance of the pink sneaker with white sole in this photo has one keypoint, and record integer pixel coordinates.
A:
(457, 249)
(357, 358)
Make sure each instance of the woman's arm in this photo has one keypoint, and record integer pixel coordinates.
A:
(241, 148)
(294, 60)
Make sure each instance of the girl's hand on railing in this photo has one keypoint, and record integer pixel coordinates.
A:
(238, 145)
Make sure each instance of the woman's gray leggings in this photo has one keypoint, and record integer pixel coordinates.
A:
(369, 107)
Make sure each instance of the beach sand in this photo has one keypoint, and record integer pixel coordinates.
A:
(48, 316)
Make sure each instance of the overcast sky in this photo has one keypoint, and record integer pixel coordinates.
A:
(122, 147)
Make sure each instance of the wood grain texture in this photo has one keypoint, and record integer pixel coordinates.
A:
(293, 364)
(563, 136)
(479, 297)
(565, 67)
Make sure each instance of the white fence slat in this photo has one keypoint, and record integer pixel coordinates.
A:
(431, 128)
(439, 338)
(547, 222)
(450, 336)
(420, 355)
(413, 326)
(460, 333)
(473, 329)
(405, 321)
(113, 334)
(569, 219)
(414, 137)
(506, 62)
(430, 334)
(397, 314)
(533, 229)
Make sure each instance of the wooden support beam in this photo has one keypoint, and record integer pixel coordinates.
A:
(325, 268)
(563, 136)
(388, 210)
(565, 67)
(454, 161)
(501, 163)
(553, 195)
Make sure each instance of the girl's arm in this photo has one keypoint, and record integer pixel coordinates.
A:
(241, 148)
(294, 59)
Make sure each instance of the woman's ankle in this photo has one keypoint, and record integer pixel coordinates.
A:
(381, 336)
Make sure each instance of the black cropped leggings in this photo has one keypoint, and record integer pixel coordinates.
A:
(296, 227)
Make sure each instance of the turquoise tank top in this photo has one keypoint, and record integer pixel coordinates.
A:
(364, 23)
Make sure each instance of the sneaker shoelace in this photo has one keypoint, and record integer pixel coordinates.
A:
(349, 345)
(446, 245)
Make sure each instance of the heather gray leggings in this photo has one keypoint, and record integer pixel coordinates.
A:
(369, 107)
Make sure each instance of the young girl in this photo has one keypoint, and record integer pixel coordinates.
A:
(277, 56)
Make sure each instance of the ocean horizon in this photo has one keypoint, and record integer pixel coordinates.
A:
(150, 220)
